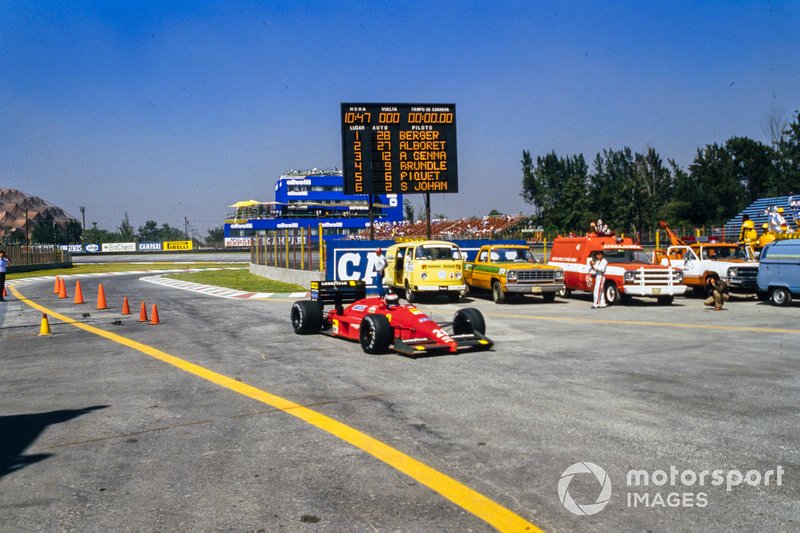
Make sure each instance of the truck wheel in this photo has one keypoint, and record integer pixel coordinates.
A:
(453, 296)
(565, 292)
(665, 300)
(306, 317)
(497, 292)
(612, 294)
(781, 296)
(549, 297)
(411, 296)
(468, 320)
(375, 334)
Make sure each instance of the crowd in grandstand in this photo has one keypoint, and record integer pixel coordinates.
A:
(462, 228)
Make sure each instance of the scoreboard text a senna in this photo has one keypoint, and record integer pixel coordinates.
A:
(399, 148)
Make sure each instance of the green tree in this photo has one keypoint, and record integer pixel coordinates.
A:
(494, 213)
(408, 210)
(72, 232)
(754, 167)
(215, 237)
(126, 233)
(44, 232)
(788, 180)
(149, 232)
(718, 188)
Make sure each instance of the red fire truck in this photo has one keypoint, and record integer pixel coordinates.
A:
(630, 272)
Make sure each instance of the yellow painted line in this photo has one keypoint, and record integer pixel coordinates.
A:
(470, 500)
(746, 329)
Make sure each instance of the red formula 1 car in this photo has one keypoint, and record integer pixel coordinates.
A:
(378, 323)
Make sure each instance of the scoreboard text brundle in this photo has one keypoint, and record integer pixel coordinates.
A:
(399, 148)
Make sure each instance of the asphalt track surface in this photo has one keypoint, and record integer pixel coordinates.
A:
(102, 433)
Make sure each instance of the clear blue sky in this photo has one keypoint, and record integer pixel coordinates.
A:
(169, 110)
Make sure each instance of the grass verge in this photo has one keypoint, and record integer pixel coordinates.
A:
(241, 280)
(93, 268)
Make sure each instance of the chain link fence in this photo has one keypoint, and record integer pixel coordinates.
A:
(35, 254)
(296, 249)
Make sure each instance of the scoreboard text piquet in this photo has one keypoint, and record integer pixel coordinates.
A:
(399, 148)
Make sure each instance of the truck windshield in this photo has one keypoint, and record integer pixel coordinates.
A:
(626, 256)
(724, 253)
(518, 255)
(438, 253)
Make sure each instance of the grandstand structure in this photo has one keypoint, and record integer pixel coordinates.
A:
(21, 213)
(486, 227)
(757, 211)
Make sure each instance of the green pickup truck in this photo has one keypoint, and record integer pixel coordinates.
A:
(506, 269)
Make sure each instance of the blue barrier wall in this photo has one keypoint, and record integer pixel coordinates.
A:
(355, 259)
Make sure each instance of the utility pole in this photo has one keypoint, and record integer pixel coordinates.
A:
(83, 216)
(186, 227)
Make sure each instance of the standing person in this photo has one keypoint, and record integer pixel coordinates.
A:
(3, 270)
(717, 291)
(380, 266)
(597, 268)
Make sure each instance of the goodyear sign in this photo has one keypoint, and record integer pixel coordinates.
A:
(355, 260)
(177, 245)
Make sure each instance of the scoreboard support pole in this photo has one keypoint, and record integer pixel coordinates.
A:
(427, 197)
(371, 218)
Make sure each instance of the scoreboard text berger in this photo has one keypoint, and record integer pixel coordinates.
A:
(399, 148)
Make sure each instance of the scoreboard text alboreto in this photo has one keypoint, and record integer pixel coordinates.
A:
(399, 148)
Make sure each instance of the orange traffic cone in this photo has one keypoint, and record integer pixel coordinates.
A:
(5, 292)
(62, 290)
(78, 293)
(154, 314)
(57, 285)
(44, 329)
(143, 313)
(126, 308)
(101, 297)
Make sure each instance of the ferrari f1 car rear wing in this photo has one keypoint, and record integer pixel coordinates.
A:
(338, 292)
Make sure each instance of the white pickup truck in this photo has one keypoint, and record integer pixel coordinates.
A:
(701, 261)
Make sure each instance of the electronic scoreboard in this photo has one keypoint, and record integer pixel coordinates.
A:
(399, 148)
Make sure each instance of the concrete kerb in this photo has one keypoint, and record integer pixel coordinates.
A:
(298, 277)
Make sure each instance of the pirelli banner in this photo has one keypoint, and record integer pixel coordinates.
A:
(177, 245)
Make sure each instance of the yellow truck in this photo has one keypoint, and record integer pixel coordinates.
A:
(425, 267)
(507, 269)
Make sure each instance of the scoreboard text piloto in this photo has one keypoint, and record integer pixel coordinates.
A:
(399, 148)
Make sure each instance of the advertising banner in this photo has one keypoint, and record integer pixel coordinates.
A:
(238, 241)
(91, 248)
(119, 247)
(150, 247)
(177, 245)
(72, 248)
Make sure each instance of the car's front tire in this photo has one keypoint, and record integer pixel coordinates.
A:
(468, 320)
(375, 334)
(497, 292)
(781, 296)
(612, 294)
(306, 317)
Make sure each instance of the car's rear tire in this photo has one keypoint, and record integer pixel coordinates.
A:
(549, 297)
(306, 317)
(468, 320)
(781, 296)
(665, 300)
(497, 292)
(612, 294)
(375, 334)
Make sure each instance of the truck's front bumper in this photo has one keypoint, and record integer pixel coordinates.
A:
(530, 288)
(654, 290)
(438, 288)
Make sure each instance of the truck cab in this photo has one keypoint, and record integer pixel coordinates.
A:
(429, 267)
(630, 272)
(506, 269)
(730, 262)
